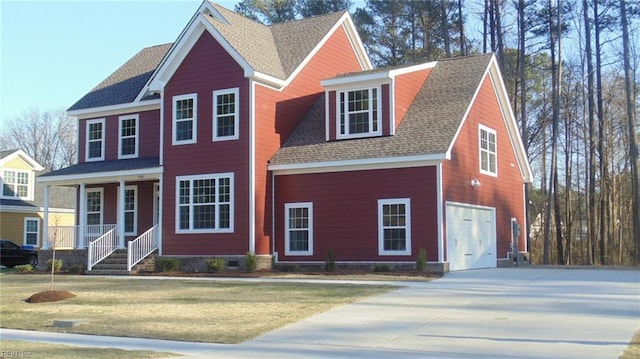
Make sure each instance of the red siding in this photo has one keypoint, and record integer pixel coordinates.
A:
(277, 114)
(207, 67)
(504, 192)
(406, 89)
(346, 216)
(149, 135)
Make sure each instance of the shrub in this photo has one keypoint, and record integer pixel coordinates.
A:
(216, 265)
(24, 268)
(421, 261)
(169, 264)
(381, 268)
(330, 264)
(57, 265)
(251, 262)
(288, 268)
(78, 269)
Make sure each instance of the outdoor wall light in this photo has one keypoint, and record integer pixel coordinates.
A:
(475, 183)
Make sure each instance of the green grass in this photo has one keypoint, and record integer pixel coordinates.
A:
(173, 309)
(33, 350)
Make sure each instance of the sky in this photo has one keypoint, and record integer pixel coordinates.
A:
(54, 52)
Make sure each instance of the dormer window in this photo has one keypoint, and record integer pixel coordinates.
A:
(15, 184)
(359, 113)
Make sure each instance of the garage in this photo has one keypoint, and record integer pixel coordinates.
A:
(471, 237)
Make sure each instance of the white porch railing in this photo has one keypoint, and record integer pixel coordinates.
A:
(102, 247)
(142, 246)
(68, 237)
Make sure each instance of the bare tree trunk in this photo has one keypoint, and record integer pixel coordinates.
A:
(498, 29)
(551, 195)
(591, 199)
(522, 53)
(444, 18)
(463, 50)
(601, 135)
(631, 127)
(485, 27)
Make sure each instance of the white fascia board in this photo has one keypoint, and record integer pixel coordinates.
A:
(25, 157)
(143, 174)
(413, 68)
(349, 81)
(356, 42)
(267, 80)
(19, 209)
(357, 165)
(510, 120)
(115, 109)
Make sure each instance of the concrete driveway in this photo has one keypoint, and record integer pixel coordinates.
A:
(493, 313)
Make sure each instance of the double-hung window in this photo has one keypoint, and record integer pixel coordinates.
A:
(31, 231)
(128, 137)
(94, 206)
(185, 119)
(15, 184)
(95, 140)
(204, 203)
(225, 114)
(488, 151)
(394, 226)
(359, 113)
(298, 228)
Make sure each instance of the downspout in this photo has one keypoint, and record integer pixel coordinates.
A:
(440, 209)
(273, 217)
(161, 179)
(252, 163)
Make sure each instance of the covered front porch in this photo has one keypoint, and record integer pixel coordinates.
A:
(117, 210)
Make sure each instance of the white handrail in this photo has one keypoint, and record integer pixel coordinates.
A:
(141, 247)
(102, 247)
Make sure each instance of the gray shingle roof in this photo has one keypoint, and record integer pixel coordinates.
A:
(105, 166)
(276, 50)
(125, 83)
(428, 127)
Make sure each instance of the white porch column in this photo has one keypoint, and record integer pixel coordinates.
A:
(120, 222)
(45, 220)
(81, 241)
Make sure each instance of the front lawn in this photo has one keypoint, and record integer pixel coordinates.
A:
(174, 309)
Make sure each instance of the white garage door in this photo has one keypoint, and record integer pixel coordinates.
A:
(471, 237)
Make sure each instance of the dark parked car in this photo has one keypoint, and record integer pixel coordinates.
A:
(13, 254)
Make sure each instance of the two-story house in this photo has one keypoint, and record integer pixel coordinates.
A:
(284, 141)
(22, 201)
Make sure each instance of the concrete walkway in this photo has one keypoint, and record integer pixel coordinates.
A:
(493, 313)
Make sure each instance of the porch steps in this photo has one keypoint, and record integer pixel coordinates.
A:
(116, 264)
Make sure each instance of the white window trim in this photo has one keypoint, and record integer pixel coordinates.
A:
(134, 188)
(86, 214)
(26, 219)
(407, 204)
(287, 248)
(30, 185)
(217, 220)
(194, 139)
(340, 136)
(236, 118)
(102, 140)
(136, 137)
(481, 150)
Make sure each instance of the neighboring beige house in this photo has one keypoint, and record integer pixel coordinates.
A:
(22, 201)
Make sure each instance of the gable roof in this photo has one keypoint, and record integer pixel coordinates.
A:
(272, 54)
(124, 85)
(426, 133)
(8, 155)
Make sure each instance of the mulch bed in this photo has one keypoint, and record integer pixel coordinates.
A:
(50, 296)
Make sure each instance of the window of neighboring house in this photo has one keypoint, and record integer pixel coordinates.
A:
(394, 226)
(225, 114)
(298, 221)
(488, 152)
(204, 203)
(15, 184)
(128, 137)
(95, 140)
(185, 119)
(130, 210)
(94, 206)
(359, 113)
(31, 231)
